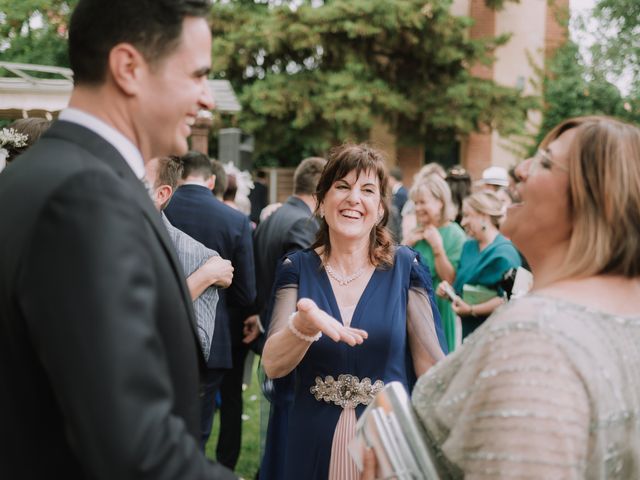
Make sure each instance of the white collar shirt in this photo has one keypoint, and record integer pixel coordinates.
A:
(125, 147)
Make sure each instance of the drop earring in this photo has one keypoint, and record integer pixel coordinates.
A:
(484, 226)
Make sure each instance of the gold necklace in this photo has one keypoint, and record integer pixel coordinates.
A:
(342, 280)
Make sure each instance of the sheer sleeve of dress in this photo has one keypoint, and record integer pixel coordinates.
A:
(284, 297)
(424, 326)
(421, 331)
(508, 404)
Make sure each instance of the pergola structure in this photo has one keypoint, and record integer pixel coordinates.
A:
(24, 95)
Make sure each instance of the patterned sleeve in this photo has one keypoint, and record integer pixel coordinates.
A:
(513, 406)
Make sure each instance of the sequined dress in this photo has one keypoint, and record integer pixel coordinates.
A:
(391, 309)
(544, 389)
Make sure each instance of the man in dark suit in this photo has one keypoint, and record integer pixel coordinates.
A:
(398, 199)
(194, 210)
(291, 227)
(98, 348)
(259, 196)
(399, 192)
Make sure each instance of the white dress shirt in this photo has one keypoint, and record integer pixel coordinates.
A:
(121, 143)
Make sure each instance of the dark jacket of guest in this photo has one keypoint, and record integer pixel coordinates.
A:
(292, 227)
(195, 211)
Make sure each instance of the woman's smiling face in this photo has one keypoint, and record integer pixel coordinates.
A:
(352, 206)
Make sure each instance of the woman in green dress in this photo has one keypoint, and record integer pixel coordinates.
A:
(438, 239)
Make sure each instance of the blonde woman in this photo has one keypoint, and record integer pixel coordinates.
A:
(485, 258)
(439, 240)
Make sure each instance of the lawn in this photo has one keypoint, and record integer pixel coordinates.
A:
(250, 454)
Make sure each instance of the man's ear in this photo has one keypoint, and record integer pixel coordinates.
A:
(163, 194)
(127, 67)
(211, 183)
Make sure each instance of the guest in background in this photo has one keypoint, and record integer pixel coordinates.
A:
(259, 196)
(408, 213)
(399, 194)
(220, 183)
(459, 182)
(194, 210)
(493, 179)
(355, 274)
(438, 240)
(205, 269)
(18, 136)
(485, 258)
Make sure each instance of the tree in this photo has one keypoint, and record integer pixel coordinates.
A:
(35, 31)
(574, 85)
(617, 50)
(321, 73)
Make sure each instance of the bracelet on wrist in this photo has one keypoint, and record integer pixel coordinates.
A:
(473, 314)
(299, 334)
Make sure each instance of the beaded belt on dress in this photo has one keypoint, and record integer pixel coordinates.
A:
(347, 391)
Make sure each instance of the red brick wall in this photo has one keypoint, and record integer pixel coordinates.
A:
(410, 160)
(484, 26)
(477, 154)
(556, 27)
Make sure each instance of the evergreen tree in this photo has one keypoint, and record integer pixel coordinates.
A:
(320, 73)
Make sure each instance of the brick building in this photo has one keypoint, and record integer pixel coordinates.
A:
(535, 33)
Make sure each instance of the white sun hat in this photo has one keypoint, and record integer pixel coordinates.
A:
(495, 176)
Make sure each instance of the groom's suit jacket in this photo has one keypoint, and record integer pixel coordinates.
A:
(98, 348)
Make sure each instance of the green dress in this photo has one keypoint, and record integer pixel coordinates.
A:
(453, 238)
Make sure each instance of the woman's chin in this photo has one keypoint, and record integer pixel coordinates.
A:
(510, 222)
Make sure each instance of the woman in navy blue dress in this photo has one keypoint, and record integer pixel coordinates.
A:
(349, 314)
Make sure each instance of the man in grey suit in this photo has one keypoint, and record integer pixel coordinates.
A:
(99, 361)
(206, 270)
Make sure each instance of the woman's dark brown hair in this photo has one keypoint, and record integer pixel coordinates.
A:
(359, 158)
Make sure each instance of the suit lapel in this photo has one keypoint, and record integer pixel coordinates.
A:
(103, 151)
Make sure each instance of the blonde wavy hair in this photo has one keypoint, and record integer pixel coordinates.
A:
(487, 203)
(439, 188)
(604, 196)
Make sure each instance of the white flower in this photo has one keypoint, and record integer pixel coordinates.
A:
(13, 138)
(243, 179)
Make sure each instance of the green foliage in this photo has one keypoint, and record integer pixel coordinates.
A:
(314, 76)
(617, 50)
(35, 31)
(571, 88)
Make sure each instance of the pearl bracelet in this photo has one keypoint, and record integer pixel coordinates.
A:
(299, 334)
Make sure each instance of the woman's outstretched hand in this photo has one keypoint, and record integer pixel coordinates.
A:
(312, 320)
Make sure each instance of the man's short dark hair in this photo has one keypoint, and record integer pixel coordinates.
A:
(307, 174)
(396, 173)
(221, 178)
(153, 27)
(196, 164)
(169, 172)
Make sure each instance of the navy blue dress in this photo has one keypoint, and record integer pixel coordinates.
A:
(385, 355)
